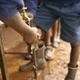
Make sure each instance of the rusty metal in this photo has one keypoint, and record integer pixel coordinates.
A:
(34, 63)
(38, 75)
(2, 60)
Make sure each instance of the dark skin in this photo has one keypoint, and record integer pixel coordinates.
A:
(29, 34)
(52, 33)
(74, 56)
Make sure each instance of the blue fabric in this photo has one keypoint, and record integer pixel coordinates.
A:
(32, 6)
(8, 8)
(61, 2)
(47, 14)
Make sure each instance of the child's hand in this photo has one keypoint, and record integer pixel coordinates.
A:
(30, 15)
(33, 36)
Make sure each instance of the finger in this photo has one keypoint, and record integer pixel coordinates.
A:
(38, 36)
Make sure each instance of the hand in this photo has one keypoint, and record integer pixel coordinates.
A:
(30, 15)
(33, 36)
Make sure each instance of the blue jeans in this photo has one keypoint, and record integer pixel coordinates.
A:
(69, 15)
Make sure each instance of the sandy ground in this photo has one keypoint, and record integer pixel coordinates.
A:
(14, 44)
(59, 69)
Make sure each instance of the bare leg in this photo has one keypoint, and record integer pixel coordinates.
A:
(49, 52)
(74, 56)
(54, 29)
(48, 36)
(75, 52)
(56, 34)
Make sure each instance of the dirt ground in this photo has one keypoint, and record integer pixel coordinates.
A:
(16, 49)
